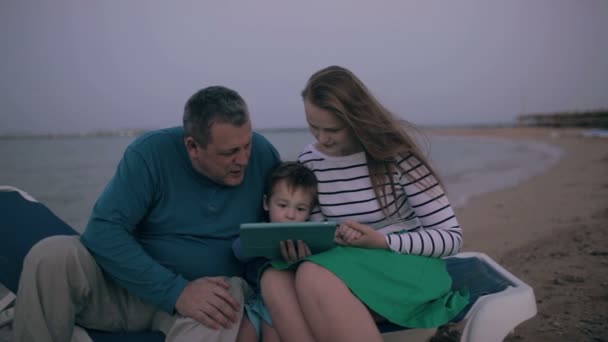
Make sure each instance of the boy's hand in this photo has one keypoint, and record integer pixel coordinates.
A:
(356, 234)
(292, 252)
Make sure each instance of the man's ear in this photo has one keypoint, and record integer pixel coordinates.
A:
(265, 202)
(191, 145)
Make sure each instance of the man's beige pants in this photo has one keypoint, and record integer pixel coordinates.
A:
(61, 285)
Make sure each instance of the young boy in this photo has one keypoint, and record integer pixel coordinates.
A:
(290, 196)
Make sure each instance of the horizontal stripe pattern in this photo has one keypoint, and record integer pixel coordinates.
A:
(420, 221)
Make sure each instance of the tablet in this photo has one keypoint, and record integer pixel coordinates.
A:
(262, 239)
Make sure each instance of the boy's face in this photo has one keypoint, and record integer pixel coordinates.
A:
(288, 204)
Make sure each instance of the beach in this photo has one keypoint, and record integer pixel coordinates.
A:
(550, 230)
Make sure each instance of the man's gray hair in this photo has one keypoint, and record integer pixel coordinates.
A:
(210, 105)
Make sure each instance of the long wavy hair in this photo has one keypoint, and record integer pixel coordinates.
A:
(383, 136)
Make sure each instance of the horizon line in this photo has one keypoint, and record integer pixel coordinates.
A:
(133, 132)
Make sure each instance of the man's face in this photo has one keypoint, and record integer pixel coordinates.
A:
(225, 158)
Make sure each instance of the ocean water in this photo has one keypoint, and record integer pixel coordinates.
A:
(68, 174)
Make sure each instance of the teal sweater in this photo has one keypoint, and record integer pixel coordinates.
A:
(159, 223)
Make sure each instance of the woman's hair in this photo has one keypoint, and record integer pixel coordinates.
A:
(383, 136)
(296, 175)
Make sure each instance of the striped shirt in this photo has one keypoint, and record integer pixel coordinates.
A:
(420, 221)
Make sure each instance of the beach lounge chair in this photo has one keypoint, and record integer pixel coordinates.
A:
(499, 300)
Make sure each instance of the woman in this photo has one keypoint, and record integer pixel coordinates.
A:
(395, 225)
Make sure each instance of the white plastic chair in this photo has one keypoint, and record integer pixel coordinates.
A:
(493, 316)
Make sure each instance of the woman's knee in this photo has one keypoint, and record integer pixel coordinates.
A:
(312, 279)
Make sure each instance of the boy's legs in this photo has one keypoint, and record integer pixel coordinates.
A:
(256, 325)
(269, 334)
(246, 331)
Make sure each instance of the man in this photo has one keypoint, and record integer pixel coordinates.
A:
(156, 253)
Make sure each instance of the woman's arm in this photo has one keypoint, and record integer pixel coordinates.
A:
(438, 233)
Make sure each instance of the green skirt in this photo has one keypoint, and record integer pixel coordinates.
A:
(408, 290)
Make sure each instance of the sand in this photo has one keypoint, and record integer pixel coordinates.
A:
(551, 231)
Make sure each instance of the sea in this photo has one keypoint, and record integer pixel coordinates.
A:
(67, 174)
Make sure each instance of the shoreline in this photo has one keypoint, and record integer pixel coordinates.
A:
(551, 231)
(533, 158)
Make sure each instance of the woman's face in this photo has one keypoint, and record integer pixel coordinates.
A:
(333, 135)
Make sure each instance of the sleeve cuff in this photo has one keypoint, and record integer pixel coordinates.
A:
(171, 299)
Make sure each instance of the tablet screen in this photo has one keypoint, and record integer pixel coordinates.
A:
(262, 239)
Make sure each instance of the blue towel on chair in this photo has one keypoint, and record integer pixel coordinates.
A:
(22, 224)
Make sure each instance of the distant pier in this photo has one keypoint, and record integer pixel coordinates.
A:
(596, 119)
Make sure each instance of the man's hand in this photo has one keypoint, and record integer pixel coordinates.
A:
(208, 301)
(291, 253)
(356, 234)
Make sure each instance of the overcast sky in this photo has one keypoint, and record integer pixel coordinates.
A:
(71, 66)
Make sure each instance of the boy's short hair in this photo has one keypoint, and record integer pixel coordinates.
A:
(296, 175)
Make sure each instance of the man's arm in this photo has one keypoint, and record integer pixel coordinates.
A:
(109, 235)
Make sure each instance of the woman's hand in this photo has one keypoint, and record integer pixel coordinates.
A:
(356, 234)
(293, 252)
(345, 235)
